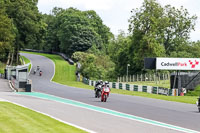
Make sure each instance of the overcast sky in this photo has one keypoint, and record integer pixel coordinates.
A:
(115, 13)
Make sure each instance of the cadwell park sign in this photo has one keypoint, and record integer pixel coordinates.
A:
(188, 80)
(178, 63)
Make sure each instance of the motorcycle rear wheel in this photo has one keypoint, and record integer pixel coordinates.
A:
(98, 94)
(199, 109)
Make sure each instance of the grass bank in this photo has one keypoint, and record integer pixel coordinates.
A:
(64, 72)
(70, 70)
(26, 60)
(17, 119)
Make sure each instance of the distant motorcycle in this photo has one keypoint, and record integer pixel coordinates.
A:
(38, 68)
(98, 91)
(40, 73)
(34, 72)
(105, 93)
(198, 103)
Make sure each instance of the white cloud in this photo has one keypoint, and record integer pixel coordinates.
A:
(115, 13)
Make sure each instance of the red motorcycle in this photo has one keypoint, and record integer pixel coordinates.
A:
(105, 93)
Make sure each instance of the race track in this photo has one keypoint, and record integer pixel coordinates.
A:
(178, 114)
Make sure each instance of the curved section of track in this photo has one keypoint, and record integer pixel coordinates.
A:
(179, 114)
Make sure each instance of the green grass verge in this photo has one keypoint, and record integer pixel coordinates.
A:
(183, 99)
(16, 119)
(64, 71)
(2, 67)
(26, 60)
(59, 63)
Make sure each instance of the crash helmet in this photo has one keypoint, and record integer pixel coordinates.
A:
(106, 82)
(101, 81)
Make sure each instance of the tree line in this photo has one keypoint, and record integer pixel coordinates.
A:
(154, 31)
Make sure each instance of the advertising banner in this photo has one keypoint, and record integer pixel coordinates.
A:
(178, 63)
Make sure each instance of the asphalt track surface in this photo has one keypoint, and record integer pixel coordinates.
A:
(178, 114)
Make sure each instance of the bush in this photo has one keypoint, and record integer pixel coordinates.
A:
(196, 92)
(95, 67)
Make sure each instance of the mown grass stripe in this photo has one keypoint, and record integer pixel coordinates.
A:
(107, 111)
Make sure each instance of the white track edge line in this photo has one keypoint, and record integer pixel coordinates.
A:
(87, 130)
(117, 112)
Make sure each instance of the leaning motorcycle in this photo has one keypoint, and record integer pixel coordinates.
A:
(198, 103)
(98, 91)
(105, 93)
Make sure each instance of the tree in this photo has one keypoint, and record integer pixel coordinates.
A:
(157, 31)
(102, 30)
(118, 52)
(178, 28)
(80, 30)
(52, 42)
(27, 20)
(7, 36)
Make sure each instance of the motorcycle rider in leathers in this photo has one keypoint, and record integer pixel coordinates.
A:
(100, 82)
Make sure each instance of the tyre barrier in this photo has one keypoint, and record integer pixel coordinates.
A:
(120, 85)
(135, 88)
(113, 85)
(139, 88)
(144, 88)
(128, 87)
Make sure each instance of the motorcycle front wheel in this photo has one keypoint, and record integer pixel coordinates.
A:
(105, 98)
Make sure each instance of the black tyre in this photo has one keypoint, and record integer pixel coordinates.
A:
(199, 109)
(101, 100)
(98, 94)
(105, 98)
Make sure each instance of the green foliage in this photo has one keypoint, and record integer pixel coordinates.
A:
(20, 26)
(157, 31)
(7, 35)
(73, 30)
(26, 61)
(196, 92)
(27, 20)
(118, 51)
(95, 67)
(2, 67)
